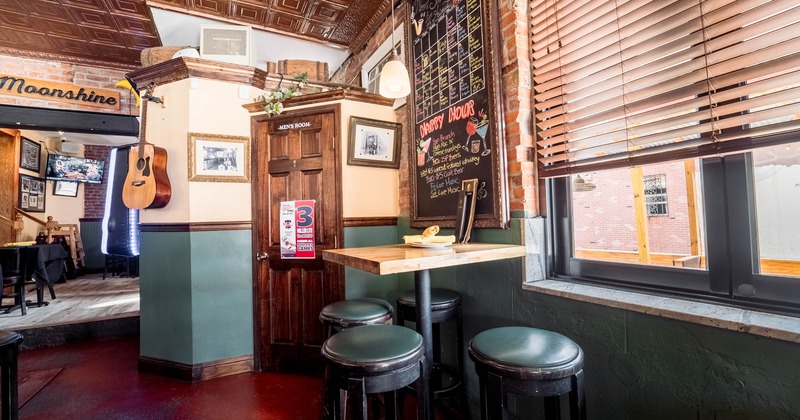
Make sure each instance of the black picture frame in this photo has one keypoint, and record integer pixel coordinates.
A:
(374, 143)
(31, 194)
(65, 188)
(30, 155)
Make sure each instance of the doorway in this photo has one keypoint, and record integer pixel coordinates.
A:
(295, 157)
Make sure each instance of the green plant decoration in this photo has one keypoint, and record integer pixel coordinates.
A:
(274, 98)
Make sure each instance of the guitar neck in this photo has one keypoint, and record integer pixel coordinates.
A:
(143, 129)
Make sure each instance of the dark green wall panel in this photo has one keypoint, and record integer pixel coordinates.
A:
(91, 238)
(362, 284)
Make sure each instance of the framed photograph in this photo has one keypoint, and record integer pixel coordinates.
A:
(31, 193)
(29, 155)
(65, 188)
(218, 158)
(374, 143)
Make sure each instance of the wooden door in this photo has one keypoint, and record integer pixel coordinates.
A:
(9, 173)
(295, 159)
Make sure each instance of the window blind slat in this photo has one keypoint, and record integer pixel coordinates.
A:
(659, 77)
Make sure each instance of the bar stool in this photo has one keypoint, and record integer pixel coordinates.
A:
(354, 312)
(445, 306)
(9, 351)
(351, 313)
(367, 360)
(530, 362)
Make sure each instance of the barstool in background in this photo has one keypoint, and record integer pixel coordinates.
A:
(530, 362)
(370, 359)
(354, 312)
(445, 306)
(9, 351)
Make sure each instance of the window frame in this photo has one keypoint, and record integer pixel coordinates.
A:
(731, 247)
(382, 52)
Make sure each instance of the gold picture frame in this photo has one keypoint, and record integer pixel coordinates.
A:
(218, 158)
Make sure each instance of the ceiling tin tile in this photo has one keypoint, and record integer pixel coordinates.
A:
(285, 22)
(137, 9)
(327, 12)
(104, 36)
(214, 7)
(62, 29)
(135, 26)
(48, 10)
(247, 13)
(92, 18)
(317, 29)
(87, 4)
(295, 7)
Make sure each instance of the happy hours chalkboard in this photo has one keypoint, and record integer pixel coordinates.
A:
(455, 112)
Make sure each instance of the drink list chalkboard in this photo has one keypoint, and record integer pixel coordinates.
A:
(457, 117)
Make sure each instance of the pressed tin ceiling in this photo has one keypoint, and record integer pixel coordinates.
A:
(112, 33)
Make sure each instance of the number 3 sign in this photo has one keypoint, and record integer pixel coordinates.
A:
(297, 229)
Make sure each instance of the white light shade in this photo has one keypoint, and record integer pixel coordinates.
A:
(394, 82)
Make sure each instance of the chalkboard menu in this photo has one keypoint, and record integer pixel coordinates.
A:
(456, 115)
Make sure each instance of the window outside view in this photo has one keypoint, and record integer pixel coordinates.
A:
(669, 228)
(777, 192)
(666, 230)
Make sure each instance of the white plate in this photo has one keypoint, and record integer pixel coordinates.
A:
(432, 245)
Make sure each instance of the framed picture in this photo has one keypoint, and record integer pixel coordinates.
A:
(373, 143)
(65, 188)
(218, 158)
(29, 155)
(31, 193)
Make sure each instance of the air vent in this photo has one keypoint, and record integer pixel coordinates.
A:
(70, 148)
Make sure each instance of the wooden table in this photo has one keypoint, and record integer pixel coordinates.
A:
(393, 259)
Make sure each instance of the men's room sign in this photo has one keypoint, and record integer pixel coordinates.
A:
(297, 229)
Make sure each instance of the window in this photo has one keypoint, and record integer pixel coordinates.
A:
(705, 94)
(655, 194)
(371, 70)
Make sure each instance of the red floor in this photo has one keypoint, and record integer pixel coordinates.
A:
(100, 380)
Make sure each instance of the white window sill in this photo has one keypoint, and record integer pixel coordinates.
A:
(779, 327)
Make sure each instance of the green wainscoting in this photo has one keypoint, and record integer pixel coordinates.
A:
(91, 238)
(196, 295)
(362, 284)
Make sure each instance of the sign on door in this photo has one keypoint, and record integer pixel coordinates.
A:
(297, 229)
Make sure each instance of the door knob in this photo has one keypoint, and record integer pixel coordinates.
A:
(261, 256)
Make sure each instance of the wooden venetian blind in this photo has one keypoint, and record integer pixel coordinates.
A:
(630, 82)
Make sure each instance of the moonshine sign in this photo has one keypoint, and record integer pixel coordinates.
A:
(60, 92)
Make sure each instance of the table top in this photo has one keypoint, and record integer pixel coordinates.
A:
(392, 259)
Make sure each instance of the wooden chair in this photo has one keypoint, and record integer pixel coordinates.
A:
(14, 268)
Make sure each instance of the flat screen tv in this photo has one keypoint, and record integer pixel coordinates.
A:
(70, 168)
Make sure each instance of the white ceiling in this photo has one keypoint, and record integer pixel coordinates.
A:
(177, 29)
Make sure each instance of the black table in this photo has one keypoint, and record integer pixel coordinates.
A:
(45, 265)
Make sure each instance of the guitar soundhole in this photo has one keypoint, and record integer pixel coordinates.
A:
(140, 164)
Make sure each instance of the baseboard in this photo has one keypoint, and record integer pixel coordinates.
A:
(56, 335)
(196, 372)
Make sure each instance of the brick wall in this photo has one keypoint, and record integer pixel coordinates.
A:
(58, 72)
(514, 87)
(94, 195)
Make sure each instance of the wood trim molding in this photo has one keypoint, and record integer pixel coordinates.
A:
(369, 221)
(195, 226)
(113, 64)
(320, 97)
(196, 372)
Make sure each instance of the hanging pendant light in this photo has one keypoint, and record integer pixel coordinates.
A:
(394, 81)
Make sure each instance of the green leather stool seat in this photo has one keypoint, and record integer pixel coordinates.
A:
(367, 360)
(531, 362)
(440, 298)
(445, 306)
(355, 312)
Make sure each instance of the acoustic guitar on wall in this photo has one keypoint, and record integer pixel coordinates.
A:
(146, 184)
